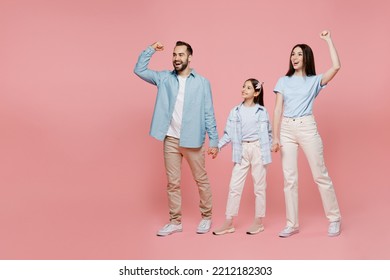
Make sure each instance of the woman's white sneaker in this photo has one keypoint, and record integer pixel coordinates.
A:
(334, 229)
(288, 231)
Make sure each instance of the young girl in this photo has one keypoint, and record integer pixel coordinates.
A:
(295, 94)
(248, 128)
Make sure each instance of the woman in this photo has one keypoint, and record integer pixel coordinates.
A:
(293, 118)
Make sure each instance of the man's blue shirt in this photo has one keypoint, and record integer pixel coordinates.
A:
(198, 111)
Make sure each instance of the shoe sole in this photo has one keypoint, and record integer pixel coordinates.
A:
(283, 235)
(169, 233)
(230, 230)
(255, 232)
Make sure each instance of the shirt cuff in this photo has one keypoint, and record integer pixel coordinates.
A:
(150, 50)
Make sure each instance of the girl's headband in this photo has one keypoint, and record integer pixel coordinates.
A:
(259, 85)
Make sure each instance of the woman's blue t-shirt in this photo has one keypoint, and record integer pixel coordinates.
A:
(298, 94)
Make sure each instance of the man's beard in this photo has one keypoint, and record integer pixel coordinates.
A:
(181, 67)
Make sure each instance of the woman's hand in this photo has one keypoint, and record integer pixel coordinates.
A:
(275, 146)
(325, 35)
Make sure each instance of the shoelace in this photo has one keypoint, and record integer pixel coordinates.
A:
(168, 226)
(333, 226)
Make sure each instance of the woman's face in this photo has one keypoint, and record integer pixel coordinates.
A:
(297, 58)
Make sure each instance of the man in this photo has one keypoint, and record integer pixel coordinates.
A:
(183, 113)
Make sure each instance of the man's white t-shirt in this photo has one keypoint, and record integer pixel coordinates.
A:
(175, 126)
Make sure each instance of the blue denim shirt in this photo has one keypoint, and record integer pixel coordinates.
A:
(233, 133)
(198, 110)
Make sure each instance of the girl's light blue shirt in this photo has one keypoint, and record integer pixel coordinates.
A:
(233, 133)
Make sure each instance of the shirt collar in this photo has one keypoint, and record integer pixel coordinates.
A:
(192, 73)
(256, 105)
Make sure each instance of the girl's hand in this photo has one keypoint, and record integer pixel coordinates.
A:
(213, 152)
(276, 146)
(158, 46)
(325, 35)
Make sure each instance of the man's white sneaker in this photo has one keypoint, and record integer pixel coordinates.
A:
(288, 231)
(204, 226)
(169, 229)
(334, 229)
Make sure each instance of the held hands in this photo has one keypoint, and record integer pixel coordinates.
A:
(276, 146)
(158, 46)
(213, 152)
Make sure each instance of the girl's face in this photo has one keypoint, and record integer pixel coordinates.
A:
(297, 58)
(248, 91)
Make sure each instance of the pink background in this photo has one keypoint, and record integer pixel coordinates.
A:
(80, 178)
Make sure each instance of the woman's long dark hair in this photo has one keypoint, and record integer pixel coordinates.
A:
(308, 61)
(258, 88)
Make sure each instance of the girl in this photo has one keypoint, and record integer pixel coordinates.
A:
(295, 94)
(248, 128)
